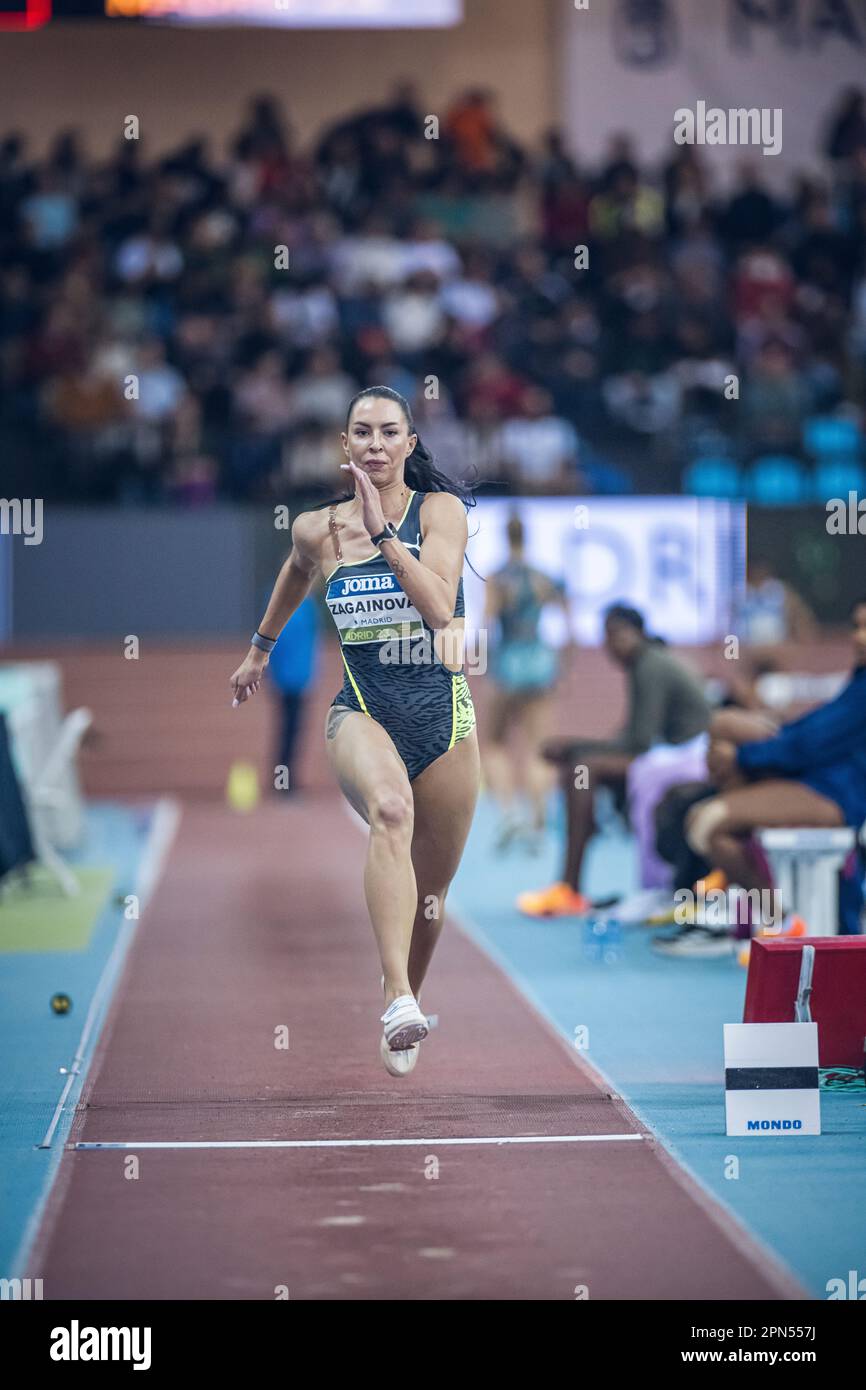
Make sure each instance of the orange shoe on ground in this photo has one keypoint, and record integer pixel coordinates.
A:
(792, 925)
(716, 881)
(560, 900)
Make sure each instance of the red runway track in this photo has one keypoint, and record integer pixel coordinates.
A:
(258, 923)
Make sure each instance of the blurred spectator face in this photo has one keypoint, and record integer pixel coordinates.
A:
(693, 336)
(858, 633)
(530, 263)
(774, 362)
(323, 362)
(213, 230)
(543, 331)
(621, 641)
(482, 411)
(580, 365)
(151, 354)
(487, 367)
(537, 403)
(197, 332)
(640, 287)
(425, 230)
(819, 215)
(270, 364)
(581, 324)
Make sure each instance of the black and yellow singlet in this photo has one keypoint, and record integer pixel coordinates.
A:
(392, 672)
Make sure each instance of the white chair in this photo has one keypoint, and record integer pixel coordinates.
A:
(806, 864)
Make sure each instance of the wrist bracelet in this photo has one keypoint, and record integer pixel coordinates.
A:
(264, 644)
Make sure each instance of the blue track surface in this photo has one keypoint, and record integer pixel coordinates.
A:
(655, 1030)
(37, 1043)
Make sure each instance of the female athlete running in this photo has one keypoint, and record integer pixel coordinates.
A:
(400, 733)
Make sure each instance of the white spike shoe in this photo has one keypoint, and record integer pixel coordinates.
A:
(404, 1023)
(398, 1061)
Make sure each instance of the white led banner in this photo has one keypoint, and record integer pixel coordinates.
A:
(295, 14)
(678, 560)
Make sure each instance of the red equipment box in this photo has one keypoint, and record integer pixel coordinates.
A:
(838, 999)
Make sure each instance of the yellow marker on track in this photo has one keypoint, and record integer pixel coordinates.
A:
(242, 787)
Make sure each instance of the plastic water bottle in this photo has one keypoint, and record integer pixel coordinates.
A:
(602, 939)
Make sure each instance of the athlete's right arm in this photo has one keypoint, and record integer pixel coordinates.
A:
(293, 583)
(294, 580)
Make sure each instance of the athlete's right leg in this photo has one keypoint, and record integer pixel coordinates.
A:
(372, 777)
(497, 761)
(535, 714)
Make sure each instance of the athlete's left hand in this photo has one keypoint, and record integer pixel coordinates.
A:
(373, 516)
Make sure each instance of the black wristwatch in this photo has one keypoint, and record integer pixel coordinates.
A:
(389, 534)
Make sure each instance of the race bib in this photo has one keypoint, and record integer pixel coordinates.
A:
(372, 608)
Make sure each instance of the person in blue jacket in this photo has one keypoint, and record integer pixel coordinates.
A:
(292, 667)
(811, 772)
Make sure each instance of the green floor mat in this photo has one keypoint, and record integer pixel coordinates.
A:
(40, 917)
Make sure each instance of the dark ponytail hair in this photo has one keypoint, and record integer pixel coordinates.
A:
(420, 472)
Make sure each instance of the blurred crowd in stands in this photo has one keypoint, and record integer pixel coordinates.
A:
(188, 328)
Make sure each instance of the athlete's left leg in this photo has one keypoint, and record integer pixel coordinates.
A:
(445, 794)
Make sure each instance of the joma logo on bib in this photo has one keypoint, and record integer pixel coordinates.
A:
(364, 584)
(372, 608)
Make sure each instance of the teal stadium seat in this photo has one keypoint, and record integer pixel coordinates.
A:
(829, 436)
(713, 477)
(778, 480)
(838, 477)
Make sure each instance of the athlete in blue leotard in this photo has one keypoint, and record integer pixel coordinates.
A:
(400, 734)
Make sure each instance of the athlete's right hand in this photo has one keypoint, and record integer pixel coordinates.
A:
(248, 677)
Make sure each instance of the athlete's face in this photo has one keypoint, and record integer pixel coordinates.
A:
(858, 634)
(378, 439)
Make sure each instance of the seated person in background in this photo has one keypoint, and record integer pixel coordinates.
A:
(771, 611)
(811, 772)
(666, 704)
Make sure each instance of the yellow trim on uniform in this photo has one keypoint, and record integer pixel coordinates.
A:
(454, 675)
(377, 555)
(354, 685)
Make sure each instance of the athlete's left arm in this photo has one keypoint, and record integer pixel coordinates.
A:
(431, 580)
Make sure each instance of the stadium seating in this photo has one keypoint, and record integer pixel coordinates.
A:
(836, 477)
(831, 436)
(713, 477)
(777, 480)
